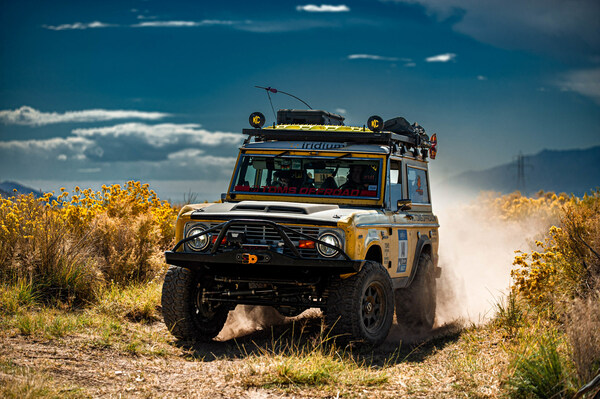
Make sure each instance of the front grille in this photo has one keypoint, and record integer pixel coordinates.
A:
(266, 235)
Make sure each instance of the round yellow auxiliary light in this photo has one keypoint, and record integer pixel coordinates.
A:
(375, 123)
(257, 120)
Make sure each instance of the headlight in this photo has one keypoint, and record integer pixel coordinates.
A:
(331, 239)
(198, 243)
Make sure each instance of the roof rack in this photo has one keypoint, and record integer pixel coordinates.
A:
(396, 133)
(327, 135)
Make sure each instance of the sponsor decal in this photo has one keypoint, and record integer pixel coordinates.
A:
(419, 189)
(319, 146)
(334, 192)
(402, 251)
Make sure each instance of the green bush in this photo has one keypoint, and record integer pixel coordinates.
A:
(541, 371)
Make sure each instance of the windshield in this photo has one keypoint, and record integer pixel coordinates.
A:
(342, 176)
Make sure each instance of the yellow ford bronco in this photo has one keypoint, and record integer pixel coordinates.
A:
(317, 215)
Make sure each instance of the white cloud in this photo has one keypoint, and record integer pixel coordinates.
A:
(373, 57)
(145, 24)
(555, 26)
(181, 24)
(441, 57)
(162, 134)
(341, 111)
(410, 64)
(124, 152)
(481, 77)
(54, 148)
(198, 159)
(291, 25)
(185, 154)
(323, 8)
(585, 82)
(32, 117)
(79, 26)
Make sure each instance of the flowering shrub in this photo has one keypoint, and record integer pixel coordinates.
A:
(543, 207)
(70, 245)
(537, 274)
(560, 281)
(568, 264)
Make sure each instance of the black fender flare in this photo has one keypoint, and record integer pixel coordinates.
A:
(423, 242)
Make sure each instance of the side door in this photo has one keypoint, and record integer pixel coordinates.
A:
(421, 222)
(400, 242)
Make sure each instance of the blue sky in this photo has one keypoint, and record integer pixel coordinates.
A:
(104, 92)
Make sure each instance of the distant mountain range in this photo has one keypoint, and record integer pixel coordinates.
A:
(569, 171)
(7, 189)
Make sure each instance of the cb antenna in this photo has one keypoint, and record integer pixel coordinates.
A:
(270, 90)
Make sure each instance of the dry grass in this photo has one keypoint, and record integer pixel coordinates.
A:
(17, 382)
(583, 331)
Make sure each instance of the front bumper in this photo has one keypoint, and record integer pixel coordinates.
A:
(237, 261)
(245, 261)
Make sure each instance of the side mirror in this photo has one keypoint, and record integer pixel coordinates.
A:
(404, 204)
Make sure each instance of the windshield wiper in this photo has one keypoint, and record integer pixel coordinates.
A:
(282, 154)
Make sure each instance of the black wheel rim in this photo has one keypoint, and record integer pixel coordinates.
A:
(373, 307)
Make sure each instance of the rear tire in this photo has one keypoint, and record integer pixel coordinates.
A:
(415, 305)
(185, 314)
(361, 307)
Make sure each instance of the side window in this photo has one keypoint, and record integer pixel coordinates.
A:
(418, 187)
(395, 183)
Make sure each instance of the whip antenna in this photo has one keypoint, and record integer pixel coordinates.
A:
(270, 90)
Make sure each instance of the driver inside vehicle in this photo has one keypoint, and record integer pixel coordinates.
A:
(283, 178)
(355, 178)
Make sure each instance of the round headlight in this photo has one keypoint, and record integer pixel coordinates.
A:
(198, 243)
(331, 239)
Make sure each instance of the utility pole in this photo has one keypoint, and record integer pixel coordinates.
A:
(521, 172)
(520, 165)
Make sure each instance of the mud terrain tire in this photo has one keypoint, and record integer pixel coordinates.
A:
(184, 314)
(415, 305)
(361, 307)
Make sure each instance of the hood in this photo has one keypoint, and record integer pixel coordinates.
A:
(295, 212)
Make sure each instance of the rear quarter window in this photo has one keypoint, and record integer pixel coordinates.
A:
(418, 186)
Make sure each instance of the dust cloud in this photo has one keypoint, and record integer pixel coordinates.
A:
(476, 254)
(246, 319)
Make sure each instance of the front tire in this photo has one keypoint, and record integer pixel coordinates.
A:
(415, 305)
(186, 315)
(361, 307)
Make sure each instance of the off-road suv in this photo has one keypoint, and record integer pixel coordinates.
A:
(317, 215)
